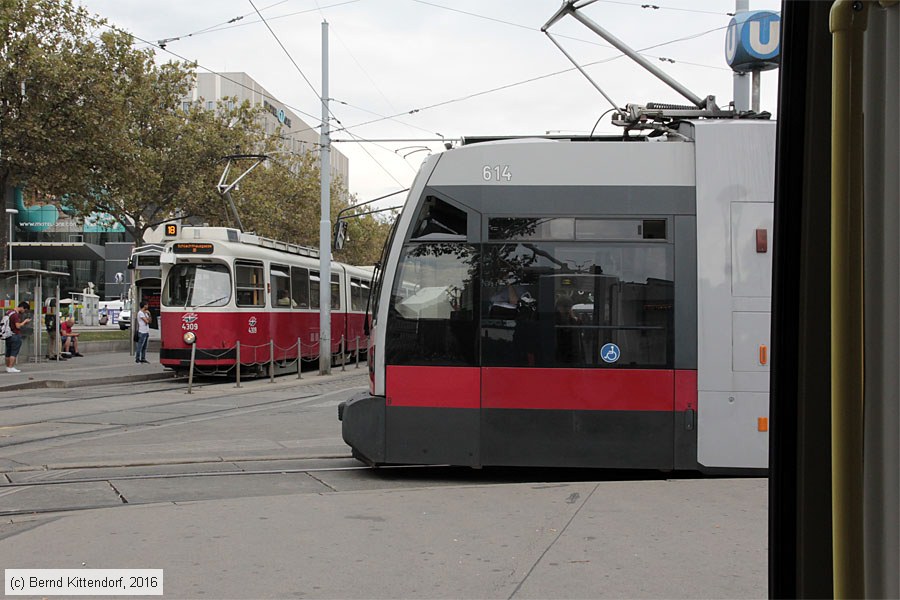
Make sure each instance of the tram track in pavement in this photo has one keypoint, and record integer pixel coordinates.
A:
(116, 481)
(156, 390)
(392, 476)
(221, 473)
(207, 382)
(122, 429)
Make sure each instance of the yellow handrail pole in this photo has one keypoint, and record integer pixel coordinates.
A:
(847, 23)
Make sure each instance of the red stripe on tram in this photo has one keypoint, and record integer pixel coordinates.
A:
(685, 390)
(437, 387)
(542, 389)
(579, 389)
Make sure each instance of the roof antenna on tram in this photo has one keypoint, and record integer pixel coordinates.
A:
(225, 188)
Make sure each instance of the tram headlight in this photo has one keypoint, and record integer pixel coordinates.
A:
(190, 338)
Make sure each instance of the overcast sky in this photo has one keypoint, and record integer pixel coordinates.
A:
(443, 59)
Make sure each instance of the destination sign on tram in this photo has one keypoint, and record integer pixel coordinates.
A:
(192, 248)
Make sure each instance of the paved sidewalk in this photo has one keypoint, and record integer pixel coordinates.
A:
(580, 539)
(91, 369)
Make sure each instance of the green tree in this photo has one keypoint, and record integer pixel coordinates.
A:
(52, 114)
(168, 161)
(163, 162)
(85, 115)
(51, 111)
(280, 199)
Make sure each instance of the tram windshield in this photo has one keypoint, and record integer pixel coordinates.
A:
(197, 285)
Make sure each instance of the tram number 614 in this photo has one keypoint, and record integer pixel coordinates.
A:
(496, 173)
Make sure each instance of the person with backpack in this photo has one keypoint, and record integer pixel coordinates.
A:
(13, 335)
(52, 331)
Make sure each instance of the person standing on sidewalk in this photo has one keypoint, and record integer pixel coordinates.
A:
(14, 341)
(143, 323)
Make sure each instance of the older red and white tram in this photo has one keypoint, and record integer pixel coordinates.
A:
(222, 287)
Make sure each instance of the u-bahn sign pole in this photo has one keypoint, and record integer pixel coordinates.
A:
(325, 222)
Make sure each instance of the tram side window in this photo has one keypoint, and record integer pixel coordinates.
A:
(557, 304)
(314, 289)
(249, 283)
(531, 228)
(300, 287)
(359, 294)
(335, 291)
(364, 301)
(432, 311)
(280, 283)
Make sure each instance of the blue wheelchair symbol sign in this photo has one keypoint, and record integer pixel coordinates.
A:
(610, 353)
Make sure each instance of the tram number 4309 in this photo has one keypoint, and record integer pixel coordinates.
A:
(496, 173)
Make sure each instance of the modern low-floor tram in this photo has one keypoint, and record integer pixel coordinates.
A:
(589, 303)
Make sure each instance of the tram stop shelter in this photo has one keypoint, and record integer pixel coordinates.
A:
(36, 287)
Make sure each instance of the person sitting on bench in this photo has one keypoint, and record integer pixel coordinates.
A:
(69, 339)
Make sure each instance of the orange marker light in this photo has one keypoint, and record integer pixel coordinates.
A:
(762, 424)
(763, 354)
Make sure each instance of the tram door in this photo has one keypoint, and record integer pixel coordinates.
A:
(148, 290)
(432, 375)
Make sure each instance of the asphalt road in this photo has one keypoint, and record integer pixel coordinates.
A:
(250, 492)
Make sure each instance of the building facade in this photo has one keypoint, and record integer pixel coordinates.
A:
(297, 136)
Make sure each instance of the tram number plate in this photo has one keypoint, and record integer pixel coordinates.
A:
(189, 326)
(496, 173)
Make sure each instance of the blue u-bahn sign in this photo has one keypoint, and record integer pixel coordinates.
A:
(753, 41)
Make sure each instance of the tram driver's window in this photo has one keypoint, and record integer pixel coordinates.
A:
(439, 221)
(432, 311)
(249, 283)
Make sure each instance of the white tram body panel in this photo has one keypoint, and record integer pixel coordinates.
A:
(735, 195)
